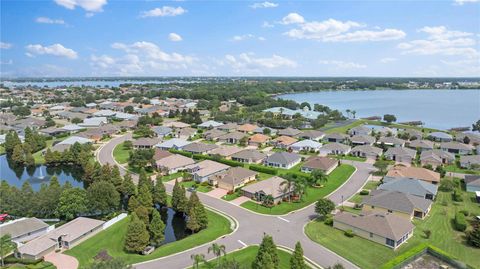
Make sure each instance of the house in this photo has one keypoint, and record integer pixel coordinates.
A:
(75, 139)
(336, 137)
(162, 131)
(72, 128)
(160, 154)
(199, 148)
(104, 113)
(64, 237)
(24, 229)
(335, 149)
(225, 151)
(258, 140)
(52, 131)
(457, 148)
(367, 151)
(312, 135)
(233, 178)
(285, 160)
(247, 128)
(213, 134)
(421, 145)
(436, 157)
(248, 156)
(414, 134)
(470, 138)
(173, 163)
(384, 130)
(306, 145)
(269, 187)
(261, 130)
(415, 187)
(209, 124)
(384, 228)
(176, 125)
(324, 164)
(440, 137)
(94, 122)
(70, 115)
(360, 130)
(419, 173)
(402, 155)
(470, 162)
(185, 133)
(472, 183)
(398, 203)
(174, 143)
(362, 140)
(289, 132)
(145, 143)
(228, 127)
(283, 141)
(203, 170)
(391, 141)
(305, 112)
(232, 138)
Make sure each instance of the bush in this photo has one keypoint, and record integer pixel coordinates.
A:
(364, 192)
(349, 233)
(427, 233)
(460, 222)
(464, 212)
(457, 196)
(446, 185)
(13, 259)
(263, 169)
(328, 221)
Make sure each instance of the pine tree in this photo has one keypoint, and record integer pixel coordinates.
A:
(128, 187)
(157, 229)
(297, 261)
(29, 160)
(18, 155)
(267, 248)
(116, 178)
(137, 236)
(143, 179)
(133, 204)
(179, 199)
(159, 192)
(195, 207)
(11, 141)
(143, 214)
(192, 222)
(145, 196)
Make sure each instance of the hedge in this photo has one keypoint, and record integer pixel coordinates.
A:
(460, 222)
(181, 152)
(263, 169)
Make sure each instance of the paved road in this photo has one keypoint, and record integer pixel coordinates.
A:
(286, 230)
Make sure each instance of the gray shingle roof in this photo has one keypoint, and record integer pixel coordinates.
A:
(396, 201)
(22, 227)
(409, 186)
(283, 158)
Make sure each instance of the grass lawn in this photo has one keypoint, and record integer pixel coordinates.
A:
(38, 156)
(350, 158)
(247, 255)
(455, 169)
(344, 129)
(121, 154)
(232, 196)
(335, 179)
(40, 265)
(367, 254)
(113, 238)
(2, 150)
(371, 185)
(199, 187)
(172, 176)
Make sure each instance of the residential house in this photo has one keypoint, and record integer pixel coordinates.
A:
(306, 145)
(284, 160)
(24, 229)
(471, 138)
(336, 137)
(398, 203)
(324, 164)
(402, 155)
(384, 228)
(472, 183)
(199, 148)
(72, 128)
(269, 187)
(258, 140)
(362, 140)
(457, 148)
(312, 135)
(384, 130)
(421, 145)
(52, 131)
(283, 142)
(335, 149)
(225, 151)
(173, 163)
(247, 128)
(94, 122)
(228, 127)
(419, 173)
(201, 171)
(360, 130)
(410, 186)
(232, 138)
(125, 116)
(440, 137)
(305, 112)
(213, 134)
(105, 113)
(75, 139)
(162, 131)
(414, 134)
(160, 154)
(289, 132)
(185, 133)
(176, 125)
(209, 124)
(470, 162)
(436, 157)
(249, 156)
(367, 151)
(69, 115)
(174, 143)
(391, 141)
(233, 178)
(261, 130)
(145, 143)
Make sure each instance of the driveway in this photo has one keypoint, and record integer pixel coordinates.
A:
(240, 200)
(217, 193)
(62, 261)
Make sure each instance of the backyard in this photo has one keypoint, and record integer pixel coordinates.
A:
(335, 180)
(439, 222)
(113, 238)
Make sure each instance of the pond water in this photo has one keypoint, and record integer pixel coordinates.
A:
(175, 225)
(16, 176)
(441, 109)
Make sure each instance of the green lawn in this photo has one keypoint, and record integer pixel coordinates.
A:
(439, 221)
(40, 265)
(348, 157)
(172, 176)
(199, 187)
(121, 154)
(335, 179)
(38, 156)
(454, 168)
(357, 198)
(247, 255)
(112, 240)
(2, 150)
(344, 129)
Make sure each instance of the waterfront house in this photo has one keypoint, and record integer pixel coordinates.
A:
(285, 160)
(324, 164)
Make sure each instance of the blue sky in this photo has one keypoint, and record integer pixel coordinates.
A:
(240, 38)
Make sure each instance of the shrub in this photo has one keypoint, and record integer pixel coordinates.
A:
(328, 221)
(13, 259)
(446, 185)
(460, 222)
(464, 212)
(205, 183)
(457, 196)
(263, 169)
(349, 233)
(364, 192)
(427, 233)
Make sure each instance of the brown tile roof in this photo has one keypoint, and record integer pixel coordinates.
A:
(285, 140)
(322, 163)
(414, 172)
(247, 127)
(259, 138)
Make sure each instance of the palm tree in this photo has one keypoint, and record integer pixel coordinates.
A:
(289, 182)
(217, 250)
(319, 176)
(348, 112)
(197, 259)
(300, 187)
(353, 113)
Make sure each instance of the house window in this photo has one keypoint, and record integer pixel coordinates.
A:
(390, 211)
(373, 206)
(371, 235)
(390, 242)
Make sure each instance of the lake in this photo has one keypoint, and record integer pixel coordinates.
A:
(440, 109)
(16, 176)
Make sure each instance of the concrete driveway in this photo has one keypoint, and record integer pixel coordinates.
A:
(240, 200)
(62, 261)
(217, 193)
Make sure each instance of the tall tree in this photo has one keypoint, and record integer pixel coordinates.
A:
(197, 259)
(179, 199)
(267, 250)
(18, 156)
(159, 192)
(72, 202)
(137, 236)
(156, 228)
(297, 261)
(197, 216)
(143, 214)
(144, 196)
(128, 187)
(133, 204)
(217, 250)
(324, 206)
(103, 197)
(6, 246)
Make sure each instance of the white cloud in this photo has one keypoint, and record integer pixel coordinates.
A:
(88, 5)
(247, 62)
(461, 2)
(55, 50)
(4, 45)
(238, 38)
(464, 68)
(266, 24)
(293, 18)
(264, 5)
(441, 41)
(174, 37)
(49, 20)
(165, 11)
(387, 60)
(332, 30)
(342, 65)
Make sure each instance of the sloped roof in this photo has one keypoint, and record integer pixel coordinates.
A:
(322, 163)
(249, 154)
(409, 186)
(415, 173)
(271, 186)
(396, 201)
(21, 227)
(283, 158)
(199, 147)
